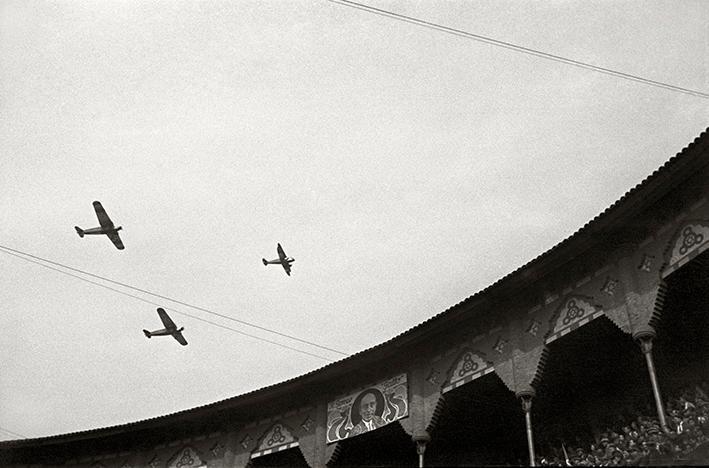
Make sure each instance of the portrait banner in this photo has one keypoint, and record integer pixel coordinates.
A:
(367, 409)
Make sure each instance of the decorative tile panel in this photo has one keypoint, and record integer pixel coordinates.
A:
(533, 327)
(691, 240)
(469, 366)
(218, 450)
(307, 425)
(185, 458)
(500, 345)
(277, 438)
(609, 286)
(433, 377)
(575, 312)
(646, 263)
(246, 441)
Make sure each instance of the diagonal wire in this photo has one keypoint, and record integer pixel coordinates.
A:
(2, 249)
(144, 291)
(518, 48)
(12, 433)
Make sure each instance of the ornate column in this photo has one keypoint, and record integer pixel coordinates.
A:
(312, 441)
(644, 339)
(424, 398)
(526, 399)
(421, 440)
(639, 271)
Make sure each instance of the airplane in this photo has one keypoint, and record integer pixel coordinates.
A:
(170, 328)
(282, 260)
(106, 227)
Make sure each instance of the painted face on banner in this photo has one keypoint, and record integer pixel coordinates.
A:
(368, 407)
(366, 410)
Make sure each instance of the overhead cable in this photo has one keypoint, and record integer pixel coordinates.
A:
(144, 291)
(19, 254)
(517, 48)
(12, 433)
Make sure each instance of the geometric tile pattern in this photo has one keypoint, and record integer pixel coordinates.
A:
(218, 450)
(274, 450)
(468, 378)
(185, 458)
(246, 441)
(693, 239)
(277, 438)
(500, 345)
(533, 327)
(573, 310)
(307, 424)
(469, 366)
(574, 326)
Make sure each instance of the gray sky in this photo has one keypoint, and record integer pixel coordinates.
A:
(404, 169)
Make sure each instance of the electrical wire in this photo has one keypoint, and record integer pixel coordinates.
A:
(12, 433)
(517, 48)
(2, 249)
(202, 309)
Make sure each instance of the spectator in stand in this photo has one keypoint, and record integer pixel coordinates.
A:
(688, 418)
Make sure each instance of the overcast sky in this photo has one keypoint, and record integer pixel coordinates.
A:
(404, 169)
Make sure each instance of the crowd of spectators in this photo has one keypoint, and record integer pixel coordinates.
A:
(643, 440)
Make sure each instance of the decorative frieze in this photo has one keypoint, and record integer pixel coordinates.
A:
(609, 286)
(533, 327)
(246, 441)
(691, 240)
(308, 424)
(574, 312)
(368, 409)
(277, 438)
(433, 377)
(500, 345)
(468, 367)
(186, 458)
(646, 263)
(218, 450)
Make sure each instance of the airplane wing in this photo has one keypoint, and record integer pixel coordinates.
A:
(102, 216)
(281, 253)
(180, 339)
(116, 240)
(286, 266)
(166, 320)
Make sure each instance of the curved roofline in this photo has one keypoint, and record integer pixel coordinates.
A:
(637, 198)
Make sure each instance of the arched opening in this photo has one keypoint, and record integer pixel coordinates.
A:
(387, 446)
(681, 352)
(480, 423)
(290, 457)
(681, 347)
(594, 384)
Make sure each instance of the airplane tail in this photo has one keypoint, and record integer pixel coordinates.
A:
(79, 231)
(147, 333)
(264, 261)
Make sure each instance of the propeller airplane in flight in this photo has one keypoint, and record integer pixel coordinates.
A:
(282, 260)
(170, 328)
(106, 227)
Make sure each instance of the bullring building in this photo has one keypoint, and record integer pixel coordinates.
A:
(593, 353)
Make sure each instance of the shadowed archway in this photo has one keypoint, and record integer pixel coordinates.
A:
(386, 446)
(682, 344)
(594, 378)
(291, 457)
(480, 423)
